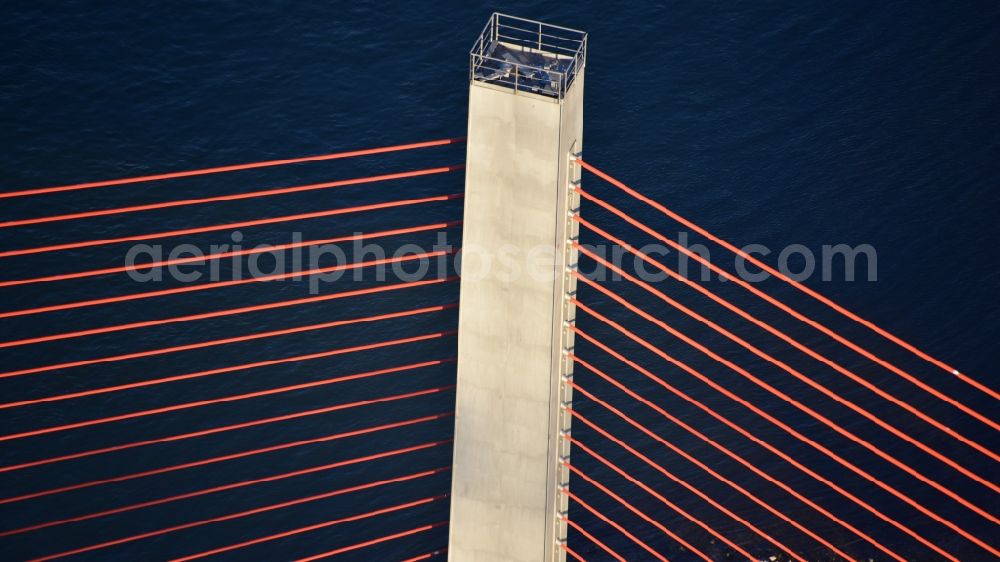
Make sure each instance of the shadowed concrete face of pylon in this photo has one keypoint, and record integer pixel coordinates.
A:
(525, 125)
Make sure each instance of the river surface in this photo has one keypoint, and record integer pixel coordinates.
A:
(779, 123)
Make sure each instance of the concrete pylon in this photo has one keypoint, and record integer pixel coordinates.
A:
(525, 126)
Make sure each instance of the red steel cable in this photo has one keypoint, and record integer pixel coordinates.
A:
(256, 511)
(801, 347)
(224, 488)
(571, 552)
(230, 168)
(659, 468)
(621, 472)
(188, 376)
(225, 399)
(638, 512)
(919, 507)
(797, 374)
(244, 454)
(223, 370)
(594, 540)
(221, 198)
(201, 433)
(380, 540)
(224, 341)
(229, 226)
(802, 407)
(222, 313)
(802, 318)
(700, 376)
(741, 460)
(616, 526)
(803, 288)
(220, 284)
(309, 528)
(427, 556)
(221, 255)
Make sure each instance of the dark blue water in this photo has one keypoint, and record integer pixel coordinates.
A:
(782, 123)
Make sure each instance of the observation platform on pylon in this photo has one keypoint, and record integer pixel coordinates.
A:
(528, 56)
